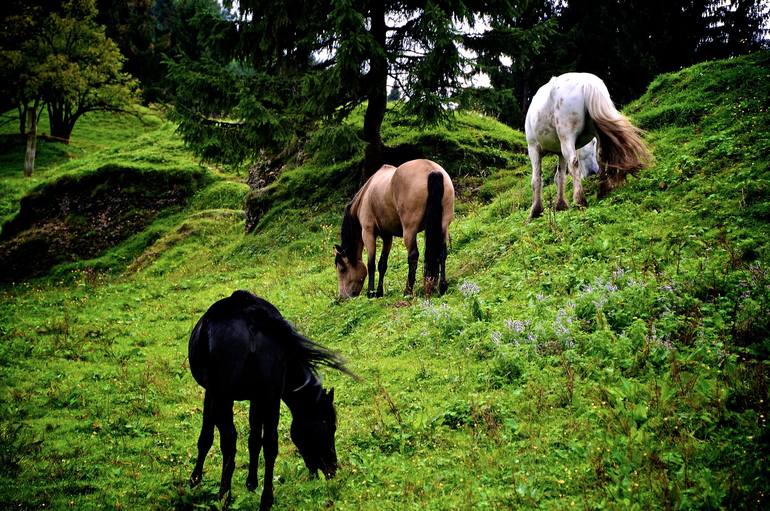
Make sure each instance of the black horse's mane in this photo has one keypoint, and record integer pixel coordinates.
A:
(350, 232)
(299, 348)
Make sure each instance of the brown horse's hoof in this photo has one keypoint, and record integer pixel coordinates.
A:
(581, 201)
(561, 206)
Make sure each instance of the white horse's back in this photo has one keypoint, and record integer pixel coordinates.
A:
(558, 111)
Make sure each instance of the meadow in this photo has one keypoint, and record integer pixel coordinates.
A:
(614, 357)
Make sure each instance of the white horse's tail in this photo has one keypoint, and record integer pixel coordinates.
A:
(622, 147)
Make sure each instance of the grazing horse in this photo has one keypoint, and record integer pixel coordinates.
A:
(566, 117)
(401, 201)
(243, 349)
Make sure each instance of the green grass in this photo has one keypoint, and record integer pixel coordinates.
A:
(613, 357)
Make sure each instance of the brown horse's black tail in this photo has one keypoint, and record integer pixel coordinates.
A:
(434, 235)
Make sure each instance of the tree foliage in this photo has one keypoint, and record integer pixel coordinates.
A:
(144, 31)
(625, 42)
(291, 65)
(58, 56)
(268, 74)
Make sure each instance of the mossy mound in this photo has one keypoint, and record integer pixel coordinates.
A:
(80, 216)
(470, 148)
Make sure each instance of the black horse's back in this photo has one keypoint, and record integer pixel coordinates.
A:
(232, 350)
(243, 342)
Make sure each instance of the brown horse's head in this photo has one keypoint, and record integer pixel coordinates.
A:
(350, 274)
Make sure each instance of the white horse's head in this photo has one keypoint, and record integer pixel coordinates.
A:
(587, 159)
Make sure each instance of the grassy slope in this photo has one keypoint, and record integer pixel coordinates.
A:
(614, 357)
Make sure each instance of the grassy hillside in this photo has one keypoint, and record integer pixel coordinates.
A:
(613, 357)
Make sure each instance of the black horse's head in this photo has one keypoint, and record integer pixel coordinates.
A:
(313, 434)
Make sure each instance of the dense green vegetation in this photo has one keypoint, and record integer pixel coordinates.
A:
(613, 357)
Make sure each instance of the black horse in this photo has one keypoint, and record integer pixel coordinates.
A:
(243, 349)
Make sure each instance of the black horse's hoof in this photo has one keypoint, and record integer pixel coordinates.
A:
(266, 502)
(251, 484)
(195, 480)
(225, 498)
(371, 294)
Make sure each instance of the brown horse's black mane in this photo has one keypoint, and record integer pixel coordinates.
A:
(350, 232)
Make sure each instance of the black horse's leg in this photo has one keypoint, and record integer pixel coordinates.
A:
(205, 439)
(382, 266)
(370, 267)
(270, 448)
(370, 243)
(413, 256)
(255, 444)
(227, 438)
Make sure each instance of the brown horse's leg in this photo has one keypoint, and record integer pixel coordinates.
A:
(205, 439)
(537, 182)
(413, 256)
(561, 178)
(382, 266)
(255, 444)
(370, 242)
(270, 448)
(227, 438)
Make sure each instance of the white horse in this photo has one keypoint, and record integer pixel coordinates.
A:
(567, 116)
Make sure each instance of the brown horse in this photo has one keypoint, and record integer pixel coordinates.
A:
(401, 201)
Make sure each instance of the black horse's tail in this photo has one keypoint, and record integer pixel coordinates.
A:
(434, 235)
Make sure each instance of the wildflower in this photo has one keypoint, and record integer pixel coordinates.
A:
(496, 337)
(517, 325)
(540, 297)
(468, 288)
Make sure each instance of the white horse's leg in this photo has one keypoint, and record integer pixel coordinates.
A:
(537, 182)
(570, 155)
(560, 178)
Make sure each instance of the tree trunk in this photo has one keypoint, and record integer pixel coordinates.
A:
(377, 94)
(29, 158)
(61, 123)
(22, 118)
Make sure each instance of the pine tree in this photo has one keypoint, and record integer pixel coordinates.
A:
(294, 63)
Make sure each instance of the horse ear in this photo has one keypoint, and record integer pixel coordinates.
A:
(331, 395)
